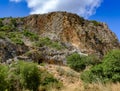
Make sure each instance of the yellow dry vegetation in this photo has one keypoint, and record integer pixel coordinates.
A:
(72, 82)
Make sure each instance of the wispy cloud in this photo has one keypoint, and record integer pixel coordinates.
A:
(84, 8)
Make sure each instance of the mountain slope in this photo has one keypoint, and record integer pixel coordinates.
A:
(54, 36)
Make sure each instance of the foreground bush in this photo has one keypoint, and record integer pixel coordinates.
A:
(3, 76)
(79, 62)
(107, 71)
(111, 66)
(31, 76)
(23, 76)
(49, 82)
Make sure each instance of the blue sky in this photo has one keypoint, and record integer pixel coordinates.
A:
(108, 11)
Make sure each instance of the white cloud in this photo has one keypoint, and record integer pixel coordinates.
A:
(84, 8)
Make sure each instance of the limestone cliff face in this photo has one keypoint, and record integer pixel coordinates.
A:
(87, 36)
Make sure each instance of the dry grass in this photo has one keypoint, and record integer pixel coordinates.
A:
(71, 80)
(102, 87)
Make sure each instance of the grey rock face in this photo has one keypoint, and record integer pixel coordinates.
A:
(9, 50)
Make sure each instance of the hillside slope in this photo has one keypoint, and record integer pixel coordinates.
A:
(54, 36)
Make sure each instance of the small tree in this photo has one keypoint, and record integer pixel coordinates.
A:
(76, 61)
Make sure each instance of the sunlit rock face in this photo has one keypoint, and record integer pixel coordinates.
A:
(87, 36)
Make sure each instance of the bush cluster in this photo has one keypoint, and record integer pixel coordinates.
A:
(6, 28)
(24, 75)
(15, 37)
(107, 71)
(30, 35)
(79, 62)
(76, 61)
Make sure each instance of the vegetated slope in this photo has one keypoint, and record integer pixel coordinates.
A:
(53, 36)
(72, 82)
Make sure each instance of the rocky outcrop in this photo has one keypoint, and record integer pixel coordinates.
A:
(9, 50)
(54, 56)
(87, 36)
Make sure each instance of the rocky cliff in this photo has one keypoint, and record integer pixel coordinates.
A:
(69, 32)
(87, 36)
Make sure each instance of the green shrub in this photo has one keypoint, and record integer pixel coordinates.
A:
(44, 41)
(31, 76)
(2, 34)
(95, 23)
(1, 24)
(108, 70)
(22, 76)
(3, 76)
(57, 45)
(7, 27)
(19, 76)
(47, 78)
(87, 77)
(48, 81)
(47, 42)
(76, 62)
(17, 41)
(13, 34)
(95, 74)
(111, 66)
(30, 35)
(92, 60)
(13, 21)
(15, 37)
(14, 78)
